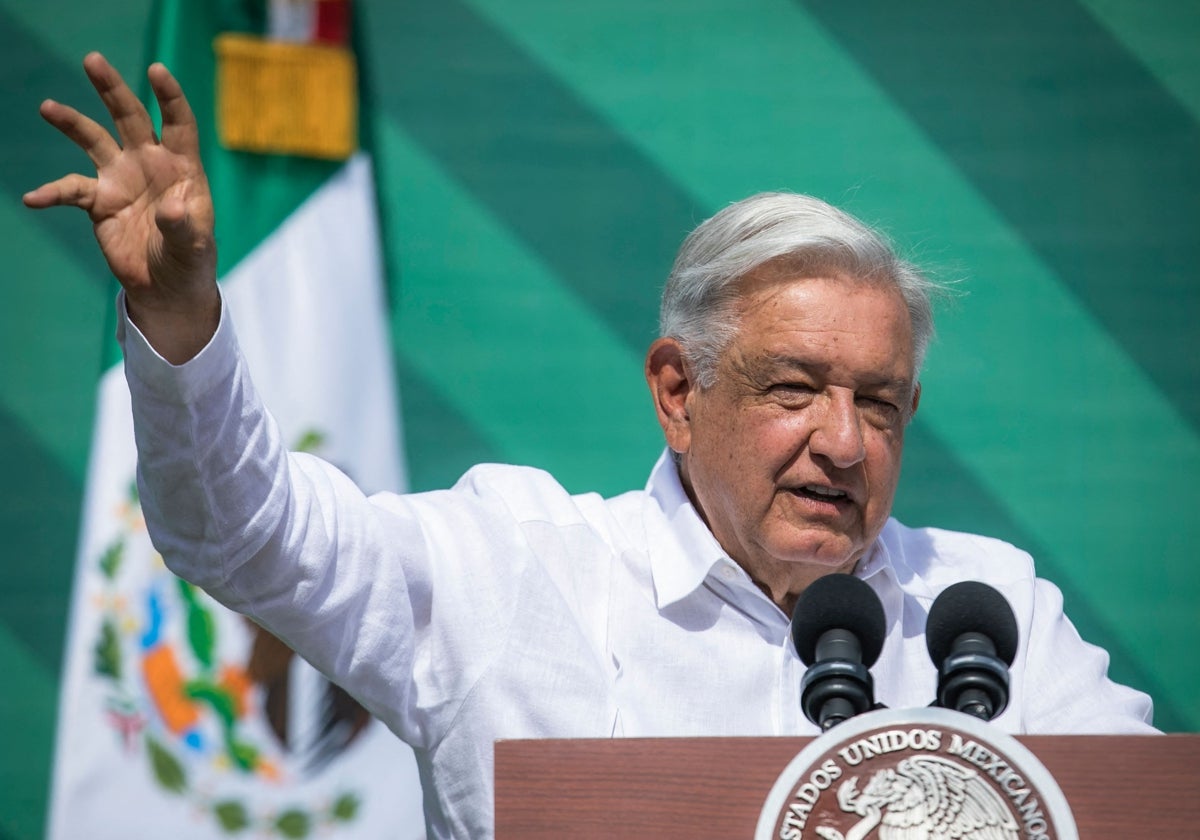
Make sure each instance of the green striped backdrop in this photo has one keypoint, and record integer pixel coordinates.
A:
(540, 163)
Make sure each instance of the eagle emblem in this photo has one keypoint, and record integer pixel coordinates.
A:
(924, 797)
(210, 703)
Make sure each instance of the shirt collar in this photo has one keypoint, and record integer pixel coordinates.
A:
(680, 565)
(888, 559)
(877, 561)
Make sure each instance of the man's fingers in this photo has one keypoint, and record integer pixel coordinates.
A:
(83, 131)
(130, 117)
(179, 131)
(68, 191)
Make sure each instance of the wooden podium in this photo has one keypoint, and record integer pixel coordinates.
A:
(1118, 786)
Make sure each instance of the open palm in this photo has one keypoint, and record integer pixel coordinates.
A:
(149, 204)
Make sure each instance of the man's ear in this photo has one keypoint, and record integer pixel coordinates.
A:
(916, 401)
(670, 386)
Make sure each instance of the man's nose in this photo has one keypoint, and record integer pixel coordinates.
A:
(837, 434)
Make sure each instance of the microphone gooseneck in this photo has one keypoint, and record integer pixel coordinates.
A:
(838, 629)
(972, 638)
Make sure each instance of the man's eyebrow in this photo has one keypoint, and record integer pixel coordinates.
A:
(901, 383)
(789, 362)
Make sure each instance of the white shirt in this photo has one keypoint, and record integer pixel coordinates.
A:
(508, 608)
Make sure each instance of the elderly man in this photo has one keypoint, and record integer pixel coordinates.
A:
(784, 379)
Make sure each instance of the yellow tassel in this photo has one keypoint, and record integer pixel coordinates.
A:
(275, 97)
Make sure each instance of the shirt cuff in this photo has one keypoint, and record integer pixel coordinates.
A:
(149, 372)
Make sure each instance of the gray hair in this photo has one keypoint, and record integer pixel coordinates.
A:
(811, 236)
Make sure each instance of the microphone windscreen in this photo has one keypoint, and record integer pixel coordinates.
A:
(970, 607)
(838, 602)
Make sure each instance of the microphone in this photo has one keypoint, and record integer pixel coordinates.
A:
(837, 630)
(971, 635)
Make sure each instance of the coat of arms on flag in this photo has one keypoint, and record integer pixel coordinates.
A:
(208, 701)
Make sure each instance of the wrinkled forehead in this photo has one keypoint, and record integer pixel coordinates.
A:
(772, 284)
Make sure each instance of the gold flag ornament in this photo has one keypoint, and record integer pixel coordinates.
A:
(281, 97)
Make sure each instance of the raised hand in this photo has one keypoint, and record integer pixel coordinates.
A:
(150, 206)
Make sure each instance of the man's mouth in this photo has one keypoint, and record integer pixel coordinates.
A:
(822, 493)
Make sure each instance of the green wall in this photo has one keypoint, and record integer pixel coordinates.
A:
(542, 160)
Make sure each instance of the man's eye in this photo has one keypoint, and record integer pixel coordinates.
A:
(879, 407)
(791, 395)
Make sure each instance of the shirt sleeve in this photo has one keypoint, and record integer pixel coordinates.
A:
(347, 581)
(1068, 689)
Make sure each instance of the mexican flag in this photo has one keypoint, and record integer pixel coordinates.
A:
(177, 718)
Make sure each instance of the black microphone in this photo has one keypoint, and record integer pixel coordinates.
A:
(971, 634)
(837, 629)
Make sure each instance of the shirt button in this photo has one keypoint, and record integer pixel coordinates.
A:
(728, 572)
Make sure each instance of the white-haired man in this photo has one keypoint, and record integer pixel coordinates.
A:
(784, 379)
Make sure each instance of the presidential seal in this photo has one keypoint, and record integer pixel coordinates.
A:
(924, 774)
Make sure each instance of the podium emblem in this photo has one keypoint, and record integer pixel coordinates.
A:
(926, 773)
